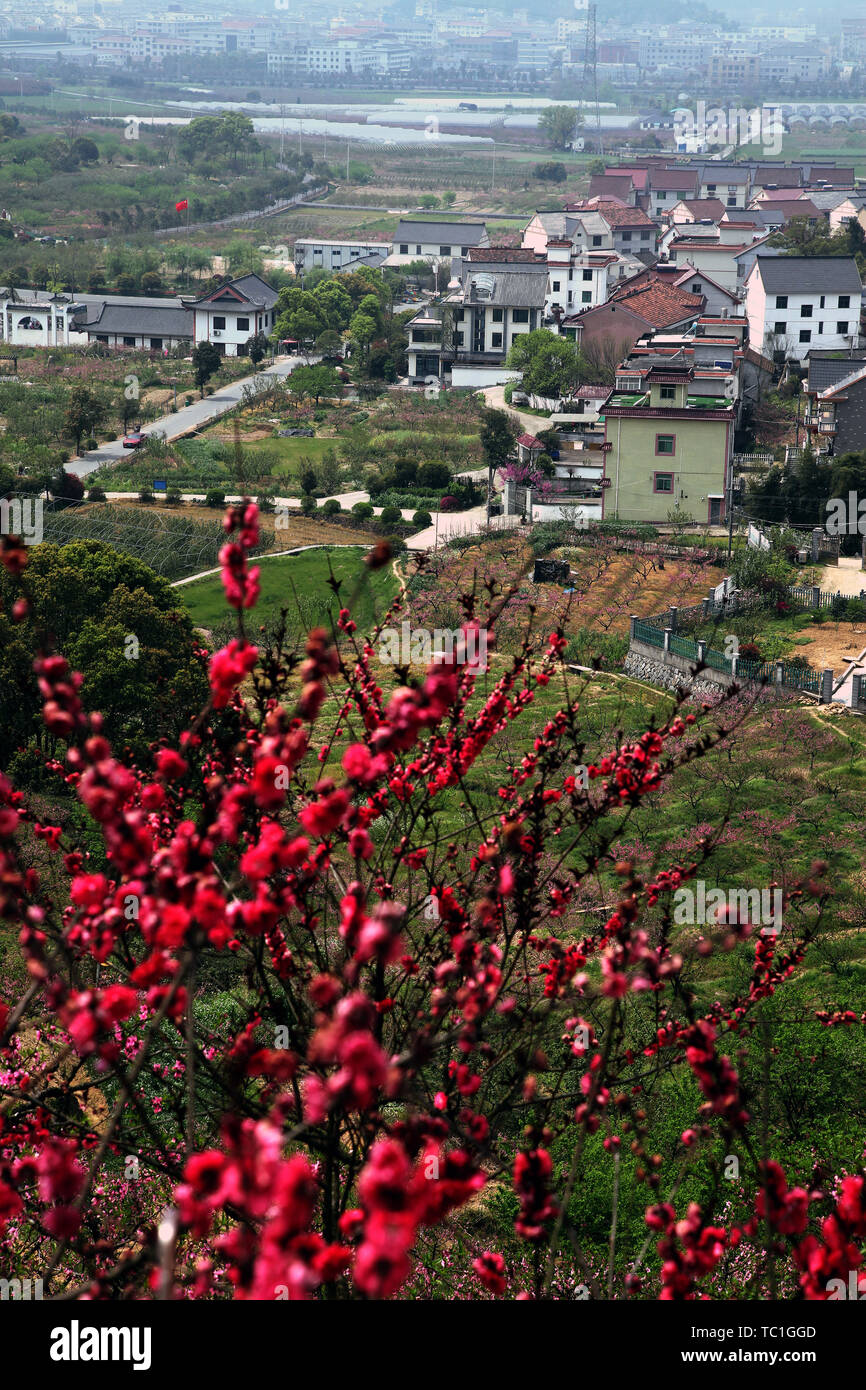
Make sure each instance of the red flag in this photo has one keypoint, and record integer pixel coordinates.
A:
(182, 205)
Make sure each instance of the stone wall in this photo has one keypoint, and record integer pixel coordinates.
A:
(654, 672)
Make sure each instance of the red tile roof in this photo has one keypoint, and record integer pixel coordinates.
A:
(659, 303)
(776, 195)
(529, 441)
(602, 184)
(637, 176)
(618, 215)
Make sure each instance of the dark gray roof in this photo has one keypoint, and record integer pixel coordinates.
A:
(257, 291)
(826, 371)
(447, 233)
(160, 321)
(724, 173)
(512, 289)
(809, 274)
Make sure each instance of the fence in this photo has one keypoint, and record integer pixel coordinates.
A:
(805, 596)
(780, 674)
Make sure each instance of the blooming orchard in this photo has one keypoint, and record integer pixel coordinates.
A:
(383, 1071)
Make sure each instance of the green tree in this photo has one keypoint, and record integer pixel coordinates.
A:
(314, 382)
(498, 436)
(206, 361)
(84, 413)
(256, 347)
(559, 124)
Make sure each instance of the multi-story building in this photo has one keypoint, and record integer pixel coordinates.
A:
(800, 304)
(836, 414)
(470, 332)
(233, 313)
(670, 443)
(436, 241)
(314, 252)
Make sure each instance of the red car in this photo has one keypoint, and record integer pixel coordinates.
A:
(134, 439)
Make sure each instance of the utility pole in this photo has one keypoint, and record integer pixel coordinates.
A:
(493, 175)
(347, 161)
(590, 71)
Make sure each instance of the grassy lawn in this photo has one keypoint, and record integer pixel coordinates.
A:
(300, 583)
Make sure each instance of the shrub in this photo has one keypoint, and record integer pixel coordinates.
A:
(331, 507)
(308, 504)
(266, 502)
(434, 475)
(96, 494)
(390, 516)
(448, 504)
(215, 497)
(173, 498)
(146, 495)
(422, 519)
(363, 510)
(856, 610)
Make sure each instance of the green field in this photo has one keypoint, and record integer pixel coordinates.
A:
(300, 584)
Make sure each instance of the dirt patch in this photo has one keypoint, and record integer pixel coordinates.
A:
(831, 645)
(297, 531)
(613, 586)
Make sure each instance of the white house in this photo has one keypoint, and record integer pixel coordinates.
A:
(233, 313)
(800, 304)
(38, 318)
(471, 331)
(435, 241)
(312, 253)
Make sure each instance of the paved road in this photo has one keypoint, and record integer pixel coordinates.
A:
(846, 578)
(187, 418)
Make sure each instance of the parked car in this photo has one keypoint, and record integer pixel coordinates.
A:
(134, 439)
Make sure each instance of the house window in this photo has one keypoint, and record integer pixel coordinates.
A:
(805, 335)
(444, 250)
(667, 393)
(806, 311)
(243, 325)
(219, 321)
(820, 328)
(586, 297)
(644, 236)
(460, 339)
(458, 315)
(129, 342)
(732, 202)
(841, 327)
(587, 275)
(666, 443)
(779, 327)
(844, 301)
(497, 313)
(711, 190)
(663, 482)
(596, 241)
(520, 316)
(821, 306)
(418, 249)
(781, 301)
(58, 324)
(556, 285)
(404, 248)
(102, 337)
(696, 287)
(496, 340)
(626, 236)
(464, 250)
(156, 344)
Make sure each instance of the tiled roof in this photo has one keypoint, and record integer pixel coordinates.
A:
(809, 274)
(780, 195)
(529, 441)
(618, 184)
(675, 180)
(503, 255)
(618, 215)
(452, 233)
(660, 304)
(703, 208)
